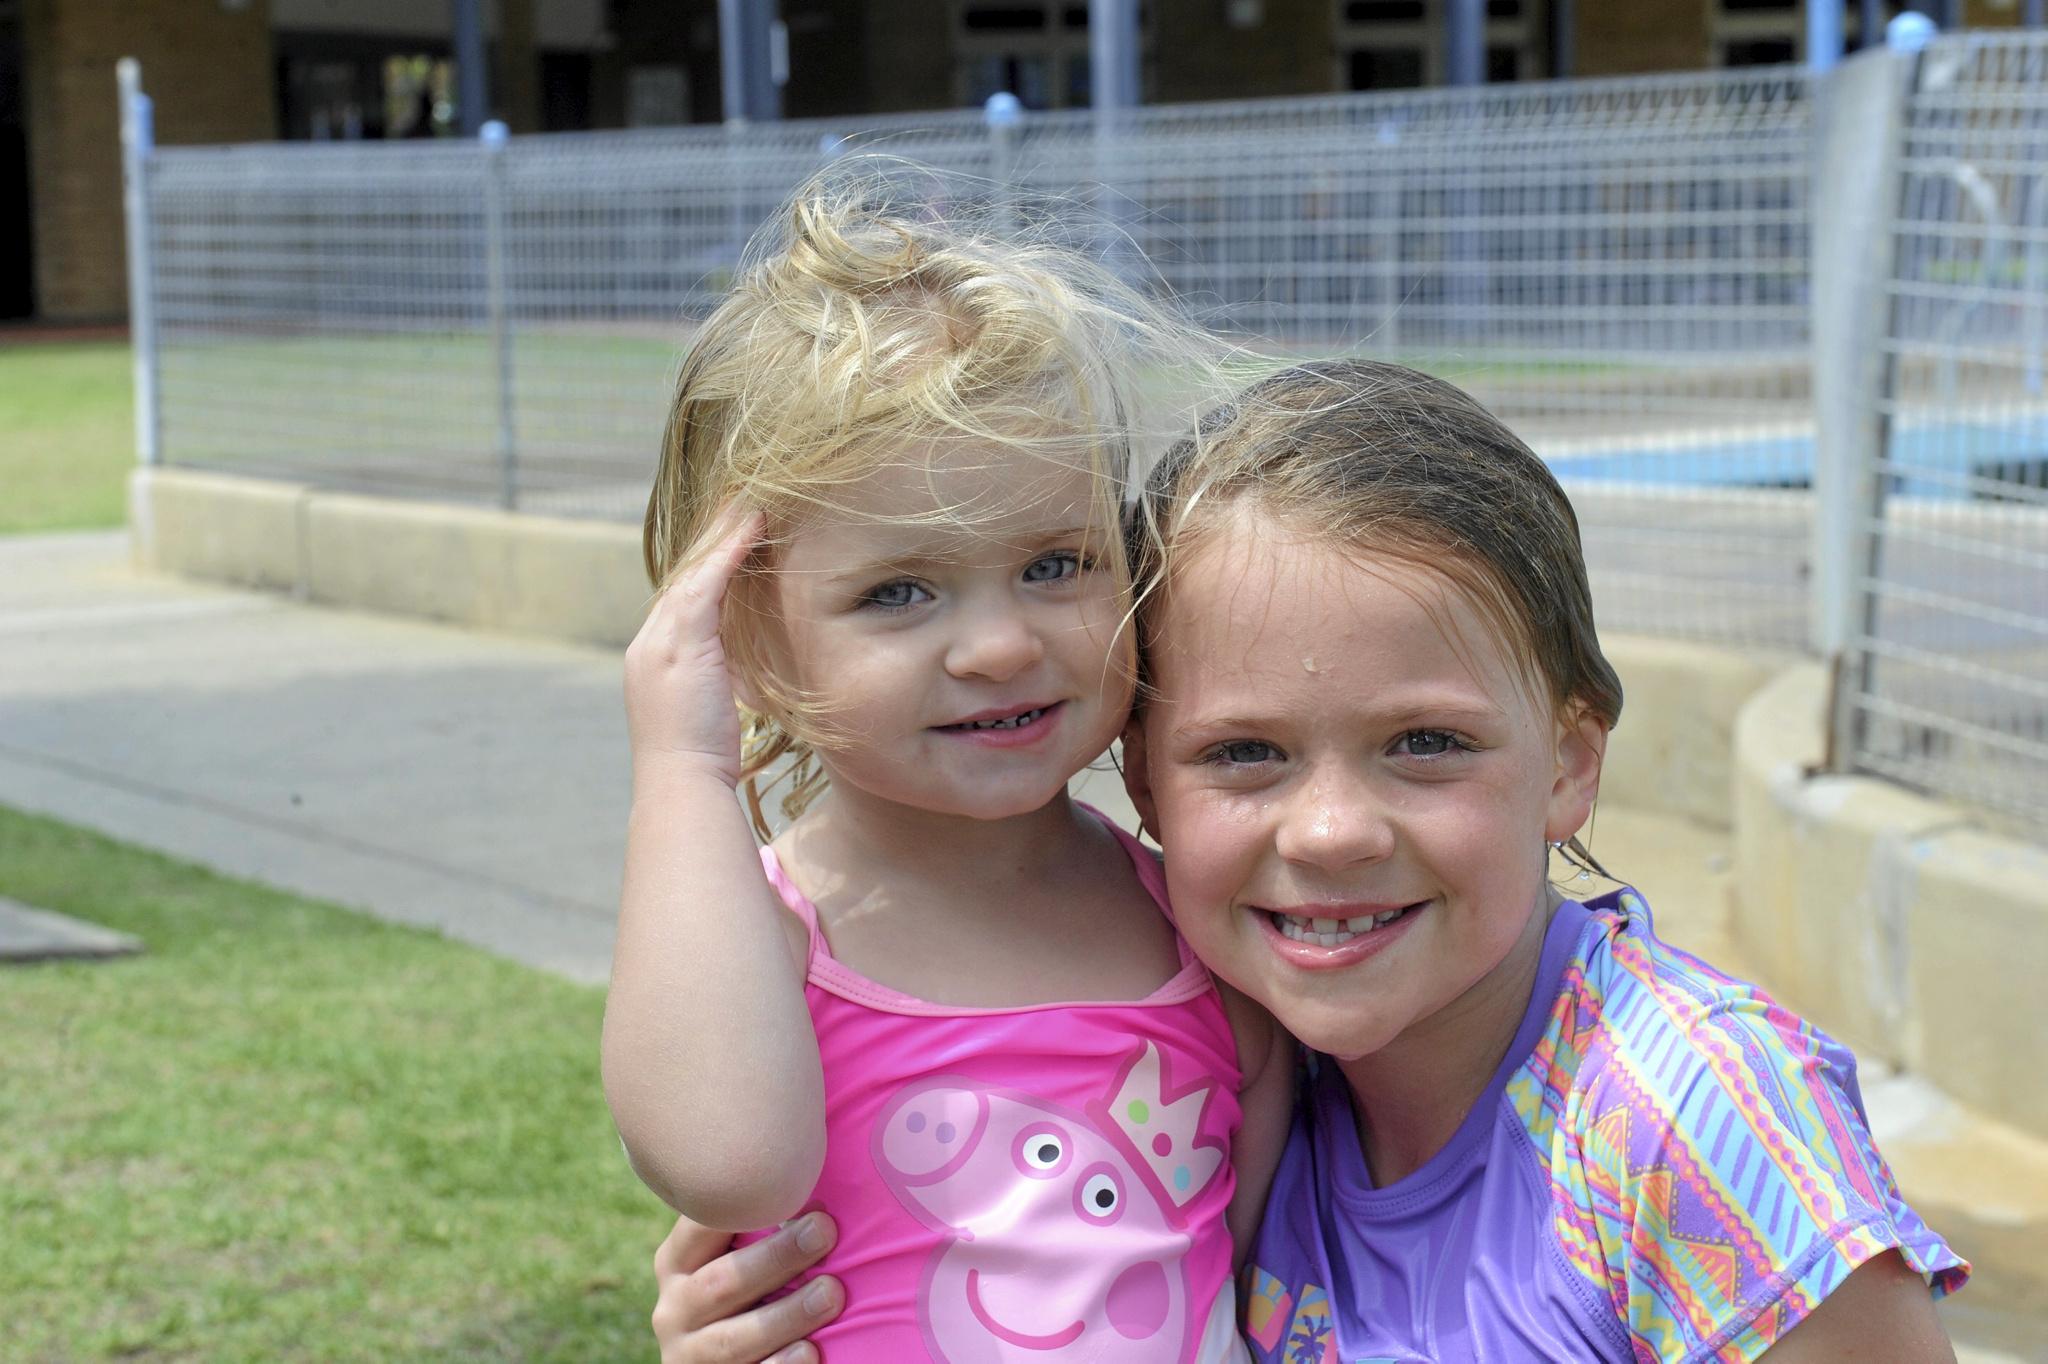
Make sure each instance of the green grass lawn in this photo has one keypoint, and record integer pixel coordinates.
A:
(287, 1131)
(67, 435)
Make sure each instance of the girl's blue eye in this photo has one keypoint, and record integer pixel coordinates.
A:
(896, 596)
(1428, 743)
(1242, 753)
(1052, 568)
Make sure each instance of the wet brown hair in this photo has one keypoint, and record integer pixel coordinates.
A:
(1388, 462)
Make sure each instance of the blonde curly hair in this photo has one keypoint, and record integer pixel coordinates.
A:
(866, 331)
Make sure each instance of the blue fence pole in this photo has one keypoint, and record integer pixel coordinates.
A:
(138, 141)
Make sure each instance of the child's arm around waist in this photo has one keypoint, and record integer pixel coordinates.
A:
(1265, 1054)
(710, 1062)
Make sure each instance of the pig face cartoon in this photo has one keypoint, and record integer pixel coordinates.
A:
(1063, 1230)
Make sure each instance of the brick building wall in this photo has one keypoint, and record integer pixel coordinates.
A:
(206, 67)
(1630, 37)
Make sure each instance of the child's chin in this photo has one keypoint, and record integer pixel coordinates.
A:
(1336, 1035)
(1007, 804)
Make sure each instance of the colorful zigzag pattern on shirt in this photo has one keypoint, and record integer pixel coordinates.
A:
(1709, 1175)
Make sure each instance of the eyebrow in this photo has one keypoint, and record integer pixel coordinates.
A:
(1448, 713)
(1197, 728)
(921, 557)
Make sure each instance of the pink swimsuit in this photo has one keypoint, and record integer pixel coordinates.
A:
(1042, 1183)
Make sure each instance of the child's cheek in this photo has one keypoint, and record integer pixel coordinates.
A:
(1211, 854)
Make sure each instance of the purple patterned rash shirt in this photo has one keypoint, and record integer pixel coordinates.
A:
(1668, 1165)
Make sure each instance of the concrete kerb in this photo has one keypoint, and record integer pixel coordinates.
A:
(1671, 753)
(523, 574)
(1885, 916)
(244, 531)
(1910, 932)
(536, 575)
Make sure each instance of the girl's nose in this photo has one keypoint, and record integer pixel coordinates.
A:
(1332, 823)
(994, 645)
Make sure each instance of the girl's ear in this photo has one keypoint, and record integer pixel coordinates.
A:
(745, 692)
(1138, 775)
(770, 652)
(1581, 748)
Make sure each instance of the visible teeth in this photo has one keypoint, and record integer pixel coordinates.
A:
(1322, 932)
(1011, 723)
(1331, 932)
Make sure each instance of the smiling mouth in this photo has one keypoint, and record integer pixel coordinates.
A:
(1335, 932)
(1057, 1340)
(1020, 720)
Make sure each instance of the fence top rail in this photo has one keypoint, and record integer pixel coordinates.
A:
(1989, 38)
(1635, 100)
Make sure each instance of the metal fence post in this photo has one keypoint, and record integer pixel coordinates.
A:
(1002, 112)
(1823, 36)
(138, 140)
(1858, 122)
(493, 138)
(1387, 336)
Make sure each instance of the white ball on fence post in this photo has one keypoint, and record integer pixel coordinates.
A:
(1002, 110)
(1910, 32)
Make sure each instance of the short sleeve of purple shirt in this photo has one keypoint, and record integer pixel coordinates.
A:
(1667, 1166)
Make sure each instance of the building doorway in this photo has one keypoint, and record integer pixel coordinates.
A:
(17, 245)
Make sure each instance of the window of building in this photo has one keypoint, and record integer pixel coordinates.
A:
(1368, 12)
(17, 271)
(1036, 50)
(348, 86)
(419, 97)
(1758, 51)
(1387, 68)
(1773, 32)
(1399, 44)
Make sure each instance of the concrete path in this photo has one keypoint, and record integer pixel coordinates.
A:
(464, 782)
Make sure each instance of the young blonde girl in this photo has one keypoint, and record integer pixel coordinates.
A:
(1528, 1129)
(944, 1004)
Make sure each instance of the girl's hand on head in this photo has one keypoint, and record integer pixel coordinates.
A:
(679, 697)
(706, 1311)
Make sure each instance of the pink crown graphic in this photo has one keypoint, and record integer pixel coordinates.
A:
(1163, 1128)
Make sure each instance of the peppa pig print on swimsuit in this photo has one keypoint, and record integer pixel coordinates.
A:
(1064, 1230)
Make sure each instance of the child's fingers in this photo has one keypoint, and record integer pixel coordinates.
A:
(688, 1248)
(706, 1312)
(680, 609)
(772, 1332)
(733, 534)
(751, 1273)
